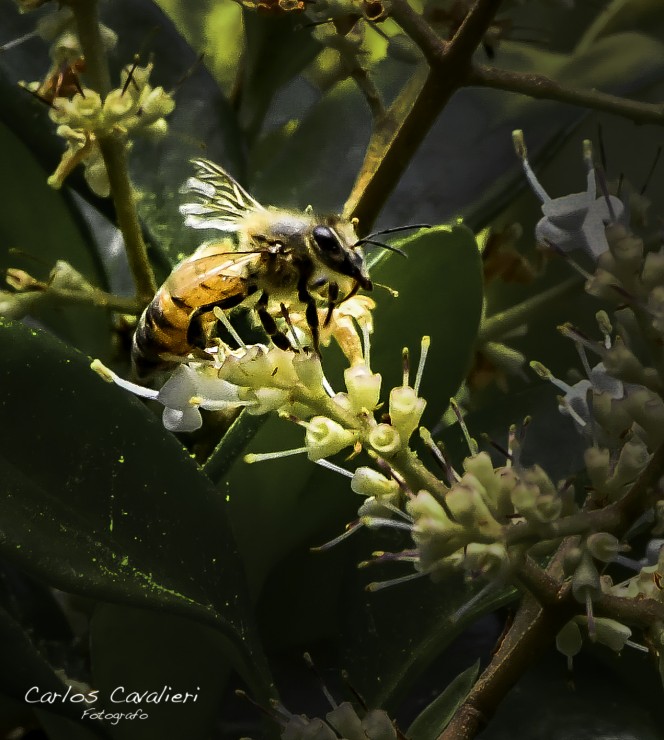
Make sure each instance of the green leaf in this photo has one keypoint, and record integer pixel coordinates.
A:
(435, 718)
(440, 295)
(397, 632)
(145, 651)
(23, 667)
(276, 49)
(231, 445)
(114, 509)
(41, 223)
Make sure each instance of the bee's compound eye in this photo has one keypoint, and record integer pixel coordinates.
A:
(326, 239)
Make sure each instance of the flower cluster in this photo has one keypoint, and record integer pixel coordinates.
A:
(131, 109)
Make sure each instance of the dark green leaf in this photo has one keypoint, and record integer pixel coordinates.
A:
(40, 223)
(145, 651)
(277, 48)
(435, 718)
(231, 445)
(114, 509)
(440, 295)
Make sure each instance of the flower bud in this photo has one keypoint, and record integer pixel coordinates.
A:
(611, 633)
(571, 559)
(385, 439)
(325, 438)
(309, 370)
(600, 284)
(406, 409)
(604, 546)
(623, 364)
(547, 507)
(597, 462)
(345, 721)
(537, 477)
(363, 387)
(523, 497)
(116, 105)
(569, 640)
(263, 400)
(585, 581)
(626, 248)
(486, 559)
(369, 482)
(633, 458)
(377, 725)
(653, 269)
(466, 502)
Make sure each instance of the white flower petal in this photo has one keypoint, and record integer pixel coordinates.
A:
(188, 420)
(179, 388)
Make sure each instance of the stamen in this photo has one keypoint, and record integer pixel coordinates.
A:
(637, 646)
(496, 446)
(405, 362)
(366, 342)
(522, 153)
(350, 529)
(336, 468)
(110, 377)
(373, 522)
(472, 444)
(323, 686)
(592, 631)
(328, 388)
(379, 557)
(489, 588)
(651, 172)
(546, 374)
(379, 585)
(605, 327)
(395, 510)
(584, 358)
(253, 457)
(588, 154)
(601, 178)
(219, 314)
(16, 42)
(426, 343)
(568, 407)
(439, 456)
(568, 259)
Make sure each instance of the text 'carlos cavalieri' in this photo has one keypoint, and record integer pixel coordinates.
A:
(118, 696)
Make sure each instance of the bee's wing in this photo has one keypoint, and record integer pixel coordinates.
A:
(221, 201)
(209, 273)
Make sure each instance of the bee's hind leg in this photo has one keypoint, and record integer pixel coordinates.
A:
(279, 339)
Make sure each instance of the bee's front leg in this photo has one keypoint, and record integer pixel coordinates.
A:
(270, 325)
(332, 298)
(311, 312)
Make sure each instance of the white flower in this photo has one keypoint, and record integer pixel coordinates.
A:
(182, 395)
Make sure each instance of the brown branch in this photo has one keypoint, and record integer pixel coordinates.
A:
(539, 86)
(416, 108)
(549, 604)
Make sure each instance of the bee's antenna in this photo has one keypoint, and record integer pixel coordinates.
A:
(393, 230)
(381, 244)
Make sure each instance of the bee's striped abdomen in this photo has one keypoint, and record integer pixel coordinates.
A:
(161, 331)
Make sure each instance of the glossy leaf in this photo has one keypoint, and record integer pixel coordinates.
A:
(42, 225)
(435, 718)
(111, 496)
(145, 651)
(277, 48)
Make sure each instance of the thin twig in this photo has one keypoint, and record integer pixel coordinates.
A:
(539, 86)
(114, 151)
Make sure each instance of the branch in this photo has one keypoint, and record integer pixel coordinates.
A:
(539, 86)
(114, 151)
(416, 108)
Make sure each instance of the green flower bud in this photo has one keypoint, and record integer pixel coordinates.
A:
(309, 370)
(571, 559)
(585, 581)
(610, 633)
(569, 640)
(623, 364)
(377, 725)
(363, 387)
(117, 105)
(653, 269)
(604, 546)
(263, 400)
(325, 438)
(369, 482)
(598, 462)
(488, 559)
(406, 409)
(523, 497)
(345, 721)
(385, 439)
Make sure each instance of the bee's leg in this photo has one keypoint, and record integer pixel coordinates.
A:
(311, 312)
(332, 297)
(278, 338)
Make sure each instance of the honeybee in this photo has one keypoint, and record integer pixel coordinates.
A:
(271, 259)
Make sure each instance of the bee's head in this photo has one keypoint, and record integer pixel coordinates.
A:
(339, 255)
